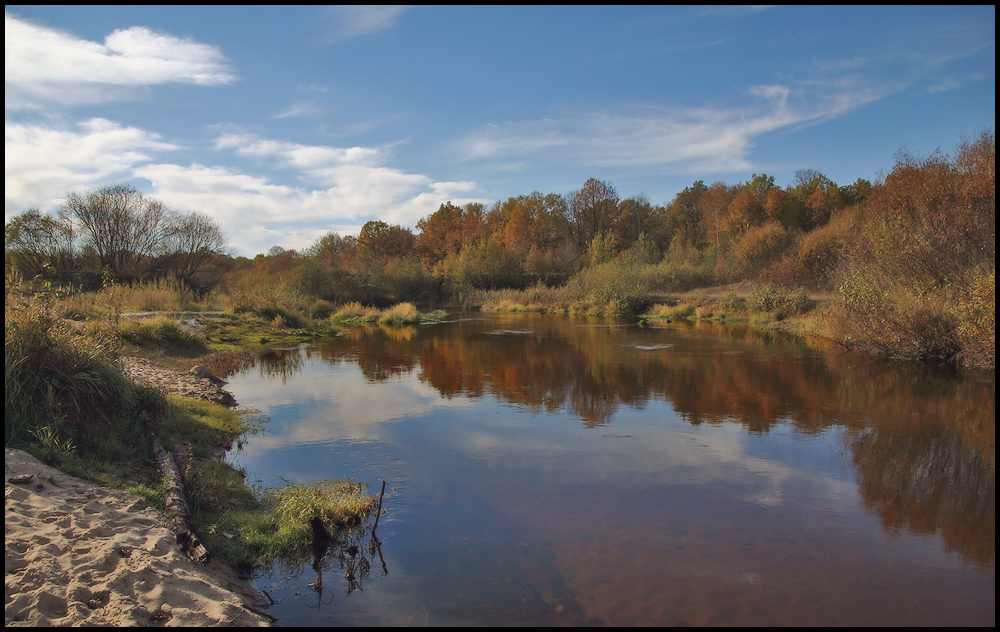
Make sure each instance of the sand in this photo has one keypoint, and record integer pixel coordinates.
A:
(80, 554)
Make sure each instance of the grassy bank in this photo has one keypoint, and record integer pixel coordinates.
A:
(957, 329)
(67, 403)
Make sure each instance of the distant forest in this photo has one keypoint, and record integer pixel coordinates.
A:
(915, 245)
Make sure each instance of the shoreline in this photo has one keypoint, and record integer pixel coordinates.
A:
(82, 554)
(78, 553)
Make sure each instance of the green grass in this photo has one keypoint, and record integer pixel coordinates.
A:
(161, 334)
(277, 525)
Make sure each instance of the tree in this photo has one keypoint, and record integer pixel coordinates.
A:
(781, 207)
(379, 241)
(334, 250)
(712, 207)
(747, 210)
(684, 215)
(441, 234)
(122, 225)
(192, 242)
(592, 210)
(36, 244)
(636, 217)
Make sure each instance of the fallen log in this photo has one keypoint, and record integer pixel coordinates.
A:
(178, 514)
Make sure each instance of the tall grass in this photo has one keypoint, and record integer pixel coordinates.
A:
(63, 391)
(400, 314)
(395, 316)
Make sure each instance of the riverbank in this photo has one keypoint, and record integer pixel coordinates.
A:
(82, 554)
(78, 553)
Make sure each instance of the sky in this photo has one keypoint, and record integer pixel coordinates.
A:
(286, 123)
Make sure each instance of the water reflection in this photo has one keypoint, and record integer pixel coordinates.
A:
(713, 502)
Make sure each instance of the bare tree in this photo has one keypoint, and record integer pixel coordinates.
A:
(192, 242)
(122, 225)
(35, 243)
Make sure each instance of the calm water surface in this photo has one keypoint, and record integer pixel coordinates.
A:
(543, 470)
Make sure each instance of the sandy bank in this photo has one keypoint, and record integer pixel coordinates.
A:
(80, 554)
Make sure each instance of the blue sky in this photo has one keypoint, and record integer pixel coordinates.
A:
(285, 123)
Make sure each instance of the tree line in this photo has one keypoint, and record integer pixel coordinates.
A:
(909, 253)
(115, 232)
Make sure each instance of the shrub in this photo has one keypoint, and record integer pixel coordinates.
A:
(733, 303)
(977, 314)
(161, 333)
(672, 311)
(779, 301)
(822, 250)
(761, 247)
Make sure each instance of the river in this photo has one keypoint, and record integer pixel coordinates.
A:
(549, 470)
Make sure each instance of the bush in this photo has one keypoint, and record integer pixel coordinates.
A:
(822, 251)
(977, 315)
(355, 312)
(760, 247)
(779, 301)
(672, 311)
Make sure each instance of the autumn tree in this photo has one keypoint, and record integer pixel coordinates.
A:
(783, 208)
(819, 195)
(333, 249)
(440, 234)
(712, 208)
(684, 216)
(378, 241)
(856, 192)
(747, 208)
(927, 243)
(592, 210)
(933, 219)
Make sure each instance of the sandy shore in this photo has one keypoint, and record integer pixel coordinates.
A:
(80, 554)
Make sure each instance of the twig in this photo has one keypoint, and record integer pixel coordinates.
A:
(378, 512)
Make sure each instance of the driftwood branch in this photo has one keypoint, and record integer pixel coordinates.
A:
(178, 514)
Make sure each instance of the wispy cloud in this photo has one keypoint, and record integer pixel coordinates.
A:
(43, 65)
(348, 21)
(682, 139)
(305, 109)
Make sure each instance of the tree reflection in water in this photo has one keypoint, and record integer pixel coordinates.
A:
(922, 439)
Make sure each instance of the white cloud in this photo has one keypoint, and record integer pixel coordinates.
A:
(338, 189)
(44, 65)
(341, 189)
(42, 163)
(348, 21)
(690, 140)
